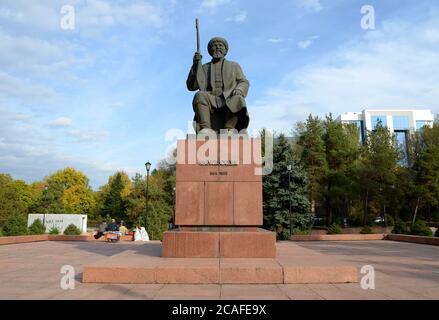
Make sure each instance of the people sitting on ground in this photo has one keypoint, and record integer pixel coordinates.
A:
(123, 229)
(140, 234)
(144, 234)
(137, 235)
(102, 229)
(113, 226)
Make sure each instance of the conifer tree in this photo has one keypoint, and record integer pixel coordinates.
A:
(277, 193)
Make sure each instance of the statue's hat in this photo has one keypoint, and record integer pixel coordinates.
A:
(224, 41)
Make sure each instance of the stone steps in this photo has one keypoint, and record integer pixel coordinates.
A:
(291, 265)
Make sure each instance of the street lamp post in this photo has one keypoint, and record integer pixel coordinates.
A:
(289, 167)
(148, 167)
(46, 187)
(175, 200)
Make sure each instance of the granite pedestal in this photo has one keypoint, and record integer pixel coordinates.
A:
(219, 201)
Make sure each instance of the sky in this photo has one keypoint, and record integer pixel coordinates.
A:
(110, 94)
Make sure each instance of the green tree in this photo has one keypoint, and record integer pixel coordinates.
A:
(16, 225)
(342, 147)
(277, 192)
(15, 197)
(115, 194)
(161, 201)
(377, 168)
(420, 180)
(135, 201)
(426, 181)
(37, 227)
(313, 156)
(158, 216)
(65, 191)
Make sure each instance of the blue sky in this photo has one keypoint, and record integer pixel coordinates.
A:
(102, 97)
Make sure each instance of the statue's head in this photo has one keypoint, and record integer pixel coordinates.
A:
(218, 47)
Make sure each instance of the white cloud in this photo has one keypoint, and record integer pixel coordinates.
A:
(36, 15)
(390, 68)
(12, 87)
(62, 122)
(304, 44)
(28, 163)
(99, 13)
(213, 4)
(11, 15)
(311, 5)
(275, 40)
(29, 152)
(279, 40)
(87, 135)
(47, 59)
(25, 51)
(91, 15)
(239, 17)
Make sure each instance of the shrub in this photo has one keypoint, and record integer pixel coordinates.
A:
(72, 230)
(54, 230)
(437, 233)
(303, 221)
(400, 227)
(1, 232)
(16, 225)
(421, 229)
(37, 227)
(334, 229)
(366, 230)
(299, 232)
(158, 216)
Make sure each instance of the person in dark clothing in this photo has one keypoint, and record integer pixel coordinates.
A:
(102, 229)
(113, 226)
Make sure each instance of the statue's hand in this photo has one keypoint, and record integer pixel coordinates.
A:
(237, 92)
(197, 57)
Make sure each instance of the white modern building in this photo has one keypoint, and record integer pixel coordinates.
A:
(394, 119)
(399, 121)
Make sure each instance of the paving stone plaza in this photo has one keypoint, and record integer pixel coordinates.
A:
(33, 271)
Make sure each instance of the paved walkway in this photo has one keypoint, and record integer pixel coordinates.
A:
(32, 271)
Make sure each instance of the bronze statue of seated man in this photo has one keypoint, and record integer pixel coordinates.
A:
(220, 101)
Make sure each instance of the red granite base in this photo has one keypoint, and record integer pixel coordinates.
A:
(219, 244)
(293, 264)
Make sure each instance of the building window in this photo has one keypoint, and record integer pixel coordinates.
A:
(401, 141)
(420, 124)
(376, 119)
(401, 123)
(360, 127)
